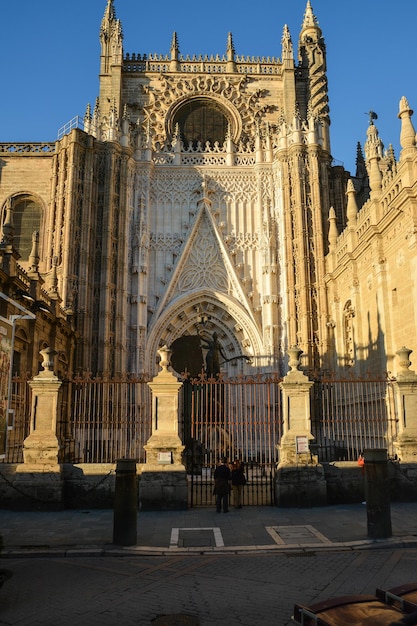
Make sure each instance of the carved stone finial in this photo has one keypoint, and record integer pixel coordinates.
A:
(408, 133)
(53, 281)
(34, 254)
(48, 362)
(352, 207)
(404, 358)
(294, 353)
(333, 232)
(165, 354)
(287, 48)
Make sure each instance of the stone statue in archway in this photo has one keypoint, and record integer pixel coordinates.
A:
(213, 356)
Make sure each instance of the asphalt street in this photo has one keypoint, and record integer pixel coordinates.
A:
(214, 589)
(190, 568)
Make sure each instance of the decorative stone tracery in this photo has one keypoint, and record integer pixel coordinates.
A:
(242, 106)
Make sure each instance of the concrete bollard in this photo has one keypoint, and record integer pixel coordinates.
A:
(125, 503)
(377, 494)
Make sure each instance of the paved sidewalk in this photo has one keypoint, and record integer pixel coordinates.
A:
(202, 530)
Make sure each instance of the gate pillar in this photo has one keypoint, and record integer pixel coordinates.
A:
(40, 474)
(300, 479)
(405, 389)
(163, 479)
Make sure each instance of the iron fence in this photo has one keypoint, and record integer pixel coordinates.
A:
(104, 419)
(101, 420)
(239, 418)
(233, 418)
(21, 397)
(349, 416)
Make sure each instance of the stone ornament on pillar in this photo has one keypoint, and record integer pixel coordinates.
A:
(295, 359)
(405, 390)
(164, 439)
(163, 481)
(300, 479)
(165, 358)
(41, 447)
(40, 474)
(295, 389)
(404, 363)
(48, 362)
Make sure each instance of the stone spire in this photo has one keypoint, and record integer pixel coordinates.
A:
(360, 162)
(109, 13)
(125, 127)
(33, 268)
(111, 39)
(87, 119)
(230, 54)
(333, 232)
(408, 134)
(310, 20)
(312, 57)
(374, 149)
(352, 207)
(53, 280)
(175, 54)
(95, 128)
(111, 61)
(287, 47)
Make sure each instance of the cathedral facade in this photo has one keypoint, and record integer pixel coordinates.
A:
(199, 198)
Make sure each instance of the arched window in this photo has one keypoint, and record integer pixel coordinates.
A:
(27, 214)
(201, 120)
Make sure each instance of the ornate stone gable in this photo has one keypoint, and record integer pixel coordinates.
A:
(203, 264)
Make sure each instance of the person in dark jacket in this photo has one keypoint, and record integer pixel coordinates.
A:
(222, 486)
(238, 480)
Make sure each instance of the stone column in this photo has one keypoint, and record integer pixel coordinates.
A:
(300, 479)
(405, 390)
(163, 479)
(40, 474)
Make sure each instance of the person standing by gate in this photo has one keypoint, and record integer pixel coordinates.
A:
(238, 480)
(222, 479)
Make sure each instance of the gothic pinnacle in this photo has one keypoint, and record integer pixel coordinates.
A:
(230, 53)
(333, 232)
(310, 19)
(174, 46)
(408, 134)
(230, 47)
(175, 53)
(109, 13)
(352, 207)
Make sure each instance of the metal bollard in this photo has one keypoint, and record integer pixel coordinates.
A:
(377, 494)
(125, 503)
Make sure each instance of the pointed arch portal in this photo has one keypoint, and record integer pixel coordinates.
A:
(237, 333)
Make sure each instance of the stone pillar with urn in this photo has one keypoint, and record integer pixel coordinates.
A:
(405, 392)
(300, 479)
(163, 478)
(40, 474)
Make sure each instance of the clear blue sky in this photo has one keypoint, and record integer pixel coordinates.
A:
(50, 56)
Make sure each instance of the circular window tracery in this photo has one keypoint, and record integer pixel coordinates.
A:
(201, 120)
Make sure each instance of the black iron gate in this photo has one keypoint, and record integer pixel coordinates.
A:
(237, 419)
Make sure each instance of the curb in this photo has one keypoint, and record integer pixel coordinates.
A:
(131, 551)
